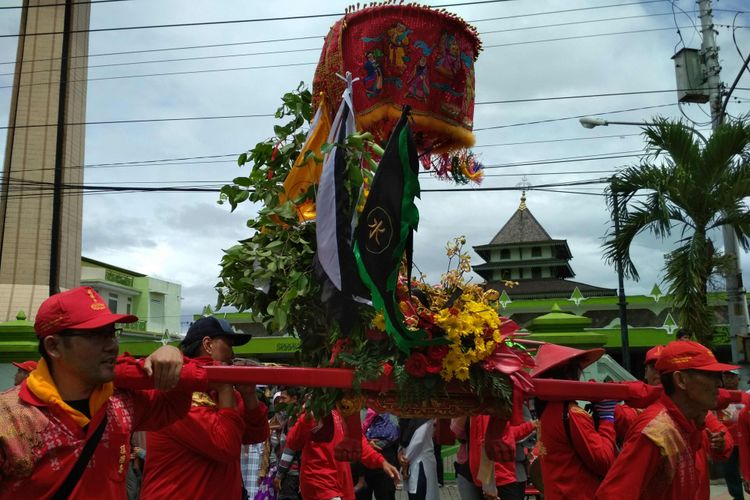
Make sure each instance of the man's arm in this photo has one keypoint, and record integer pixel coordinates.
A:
(255, 416)
(595, 448)
(633, 469)
(719, 440)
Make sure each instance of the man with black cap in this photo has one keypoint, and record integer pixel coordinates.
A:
(200, 454)
(65, 429)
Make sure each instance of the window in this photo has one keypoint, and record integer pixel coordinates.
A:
(504, 274)
(536, 272)
(536, 251)
(129, 306)
(112, 302)
(505, 253)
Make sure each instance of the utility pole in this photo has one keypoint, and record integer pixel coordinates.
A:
(736, 298)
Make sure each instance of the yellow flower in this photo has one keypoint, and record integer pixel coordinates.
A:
(379, 321)
(462, 373)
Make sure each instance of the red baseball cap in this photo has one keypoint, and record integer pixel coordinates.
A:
(688, 355)
(552, 355)
(27, 366)
(652, 355)
(78, 309)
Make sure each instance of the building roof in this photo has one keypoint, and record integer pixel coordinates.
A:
(110, 266)
(522, 227)
(550, 288)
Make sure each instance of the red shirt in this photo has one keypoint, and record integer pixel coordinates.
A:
(200, 453)
(743, 442)
(660, 459)
(573, 468)
(625, 417)
(322, 477)
(39, 443)
(505, 472)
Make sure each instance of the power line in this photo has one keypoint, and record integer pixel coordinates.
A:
(220, 70)
(145, 120)
(179, 59)
(229, 21)
(323, 36)
(172, 73)
(565, 11)
(525, 163)
(61, 4)
(231, 157)
(576, 37)
(287, 51)
(181, 189)
(573, 23)
(544, 141)
(550, 120)
(270, 115)
(184, 47)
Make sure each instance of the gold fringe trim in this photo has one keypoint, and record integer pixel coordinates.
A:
(460, 137)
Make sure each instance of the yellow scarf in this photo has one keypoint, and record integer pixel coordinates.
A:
(40, 382)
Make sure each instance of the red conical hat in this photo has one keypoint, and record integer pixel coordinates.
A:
(552, 356)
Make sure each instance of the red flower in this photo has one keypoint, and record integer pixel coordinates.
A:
(437, 352)
(416, 365)
(376, 335)
(434, 366)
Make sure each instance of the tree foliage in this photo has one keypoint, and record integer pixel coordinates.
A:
(686, 186)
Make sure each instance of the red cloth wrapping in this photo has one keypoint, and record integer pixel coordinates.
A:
(129, 375)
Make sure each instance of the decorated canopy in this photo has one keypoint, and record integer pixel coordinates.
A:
(404, 55)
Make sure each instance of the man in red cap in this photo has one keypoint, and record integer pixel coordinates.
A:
(574, 454)
(663, 453)
(65, 430)
(201, 452)
(649, 365)
(23, 371)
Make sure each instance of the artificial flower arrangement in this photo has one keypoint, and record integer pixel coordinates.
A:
(456, 343)
(470, 348)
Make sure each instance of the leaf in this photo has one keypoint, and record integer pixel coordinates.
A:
(243, 181)
(242, 159)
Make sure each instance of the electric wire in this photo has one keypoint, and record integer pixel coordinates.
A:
(228, 21)
(269, 66)
(91, 2)
(289, 51)
(271, 115)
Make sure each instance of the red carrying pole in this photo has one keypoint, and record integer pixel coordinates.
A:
(343, 378)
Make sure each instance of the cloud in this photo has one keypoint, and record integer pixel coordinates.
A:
(180, 237)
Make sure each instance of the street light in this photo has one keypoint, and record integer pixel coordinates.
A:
(591, 122)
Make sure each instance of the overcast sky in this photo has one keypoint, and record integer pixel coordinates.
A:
(180, 237)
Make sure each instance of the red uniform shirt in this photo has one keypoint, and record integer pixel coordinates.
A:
(505, 472)
(322, 477)
(39, 443)
(743, 441)
(660, 459)
(200, 453)
(572, 468)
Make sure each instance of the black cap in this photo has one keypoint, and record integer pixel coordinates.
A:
(210, 326)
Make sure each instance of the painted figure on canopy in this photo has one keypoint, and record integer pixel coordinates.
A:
(398, 40)
(374, 75)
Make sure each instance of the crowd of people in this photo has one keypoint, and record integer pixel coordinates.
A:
(83, 422)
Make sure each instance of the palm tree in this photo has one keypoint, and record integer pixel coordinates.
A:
(691, 187)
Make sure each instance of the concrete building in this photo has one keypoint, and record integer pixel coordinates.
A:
(40, 220)
(155, 301)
